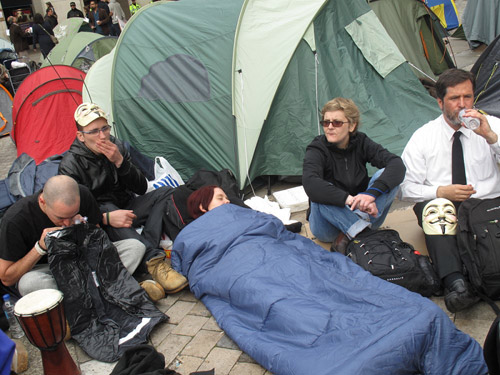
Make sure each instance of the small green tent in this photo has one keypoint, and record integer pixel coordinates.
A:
(239, 85)
(65, 31)
(93, 52)
(417, 32)
(77, 46)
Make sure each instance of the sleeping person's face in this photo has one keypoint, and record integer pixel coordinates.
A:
(218, 199)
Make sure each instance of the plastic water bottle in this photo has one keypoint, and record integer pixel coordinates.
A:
(471, 123)
(15, 329)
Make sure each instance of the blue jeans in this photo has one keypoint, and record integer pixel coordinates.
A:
(327, 221)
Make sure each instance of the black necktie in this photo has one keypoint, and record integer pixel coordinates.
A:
(457, 161)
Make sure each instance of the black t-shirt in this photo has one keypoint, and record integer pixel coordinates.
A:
(24, 222)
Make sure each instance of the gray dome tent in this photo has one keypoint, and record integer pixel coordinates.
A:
(487, 72)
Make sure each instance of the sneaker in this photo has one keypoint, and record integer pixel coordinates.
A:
(154, 290)
(340, 243)
(459, 296)
(163, 273)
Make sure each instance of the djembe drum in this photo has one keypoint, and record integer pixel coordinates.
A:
(41, 315)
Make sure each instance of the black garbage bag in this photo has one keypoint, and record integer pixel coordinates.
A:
(145, 360)
(107, 311)
(142, 360)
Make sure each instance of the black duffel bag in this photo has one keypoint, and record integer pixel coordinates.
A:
(384, 254)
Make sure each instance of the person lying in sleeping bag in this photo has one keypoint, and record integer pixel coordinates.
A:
(296, 308)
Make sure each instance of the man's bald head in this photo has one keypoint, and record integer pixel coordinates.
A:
(62, 189)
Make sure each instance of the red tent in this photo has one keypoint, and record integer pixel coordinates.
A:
(5, 111)
(43, 111)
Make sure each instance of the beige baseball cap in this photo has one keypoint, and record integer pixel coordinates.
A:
(88, 112)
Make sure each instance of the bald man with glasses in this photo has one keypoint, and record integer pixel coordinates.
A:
(102, 163)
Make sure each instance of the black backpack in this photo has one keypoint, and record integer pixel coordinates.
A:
(384, 254)
(479, 243)
(492, 348)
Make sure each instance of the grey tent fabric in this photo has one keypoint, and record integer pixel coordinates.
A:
(481, 21)
(487, 73)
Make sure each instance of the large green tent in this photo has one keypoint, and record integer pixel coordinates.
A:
(239, 85)
(417, 32)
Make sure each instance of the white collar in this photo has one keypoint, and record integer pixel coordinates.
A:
(449, 131)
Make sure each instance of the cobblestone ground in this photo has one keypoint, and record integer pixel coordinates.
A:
(192, 340)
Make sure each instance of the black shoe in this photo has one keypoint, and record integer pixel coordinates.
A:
(340, 244)
(294, 227)
(459, 296)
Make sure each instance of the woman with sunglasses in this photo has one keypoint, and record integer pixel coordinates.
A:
(344, 200)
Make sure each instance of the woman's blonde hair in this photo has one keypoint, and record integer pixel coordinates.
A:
(351, 111)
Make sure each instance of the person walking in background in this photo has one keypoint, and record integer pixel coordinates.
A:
(51, 18)
(17, 36)
(117, 15)
(74, 12)
(98, 19)
(134, 7)
(41, 35)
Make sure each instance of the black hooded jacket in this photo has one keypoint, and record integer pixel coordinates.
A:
(331, 174)
(106, 182)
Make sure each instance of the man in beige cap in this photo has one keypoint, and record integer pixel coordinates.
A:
(103, 164)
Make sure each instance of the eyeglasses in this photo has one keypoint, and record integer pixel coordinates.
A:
(334, 123)
(104, 129)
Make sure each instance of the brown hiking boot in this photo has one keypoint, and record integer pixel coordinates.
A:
(340, 243)
(154, 290)
(163, 273)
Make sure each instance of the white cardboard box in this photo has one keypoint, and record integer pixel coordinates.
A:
(295, 199)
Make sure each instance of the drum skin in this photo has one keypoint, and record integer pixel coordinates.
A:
(41, 314)
(45, 330)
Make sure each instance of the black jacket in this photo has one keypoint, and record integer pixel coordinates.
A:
(41, 35)
(102, 301)
(75, 13)
(330, 174)
(52, 20)
(106, 182)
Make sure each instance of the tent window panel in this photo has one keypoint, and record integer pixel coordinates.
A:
(178, 79)
(381, 52)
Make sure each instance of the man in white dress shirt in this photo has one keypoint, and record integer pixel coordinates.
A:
(428, 160)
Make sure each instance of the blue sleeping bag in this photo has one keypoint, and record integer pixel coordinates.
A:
(298, 309)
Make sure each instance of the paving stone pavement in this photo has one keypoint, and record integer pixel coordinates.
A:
(192, 340)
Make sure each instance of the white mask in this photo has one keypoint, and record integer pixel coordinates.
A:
(439, 217)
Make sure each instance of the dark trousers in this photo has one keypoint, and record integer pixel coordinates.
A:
(150, 211)
(115, 29)
(443, 250)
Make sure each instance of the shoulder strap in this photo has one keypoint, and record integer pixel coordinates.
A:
(43, 28)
